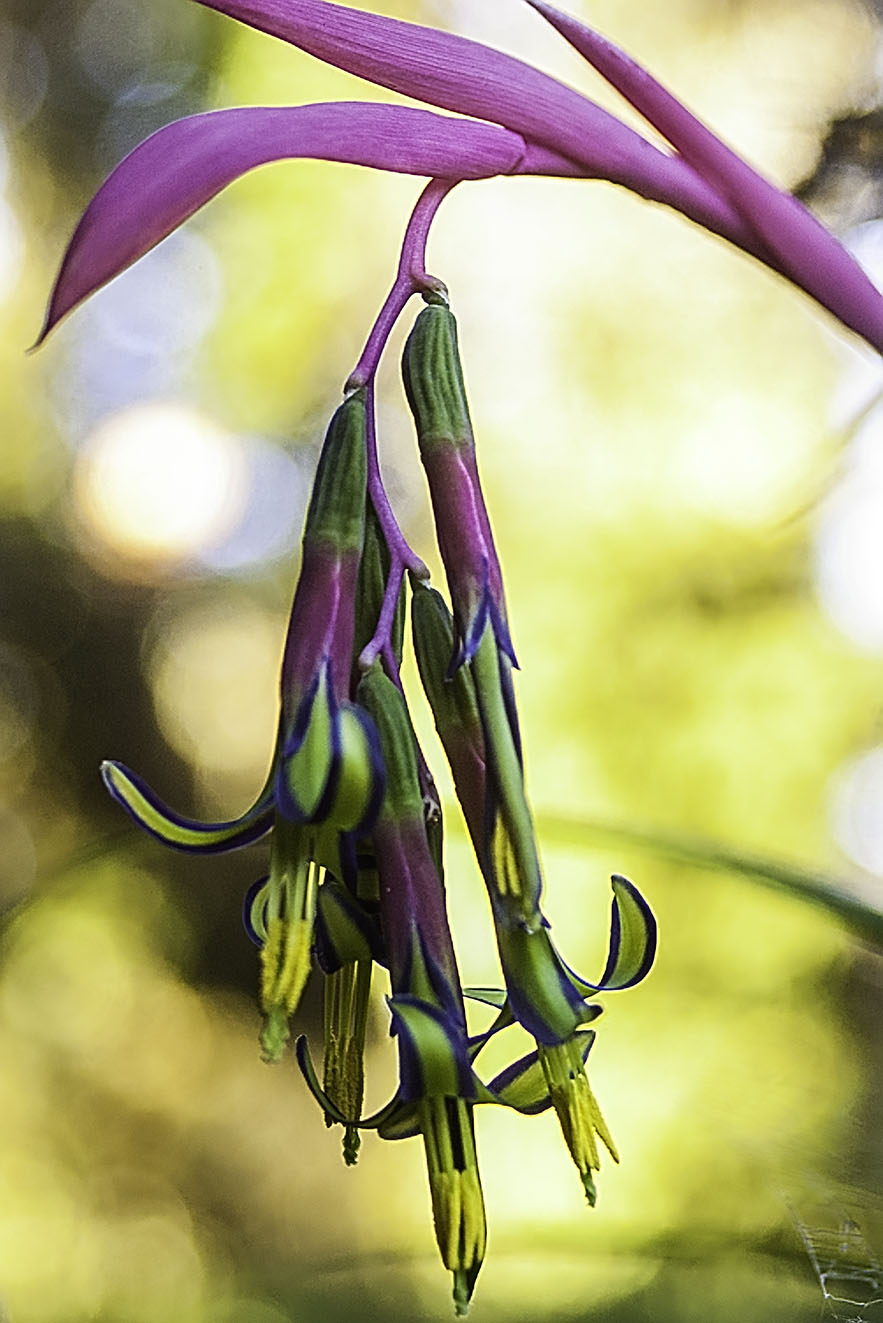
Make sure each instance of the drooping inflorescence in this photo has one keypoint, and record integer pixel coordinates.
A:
(356, 874)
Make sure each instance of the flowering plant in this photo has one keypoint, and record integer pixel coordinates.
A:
(356, 868)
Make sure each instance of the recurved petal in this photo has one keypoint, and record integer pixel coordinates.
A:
(446, 70)
(306, 780)
(632, 941)
(523, 1085)
(543, 996)
(804, 250)
(182, 166)
(254, 911)
(308, 1070)
(149, 811)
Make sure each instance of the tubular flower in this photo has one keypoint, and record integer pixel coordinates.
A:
(542, 993)
(505, 842)
(326, 780)
(347, 933)
(429, 1017)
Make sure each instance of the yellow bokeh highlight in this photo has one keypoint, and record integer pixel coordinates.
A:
(158, 484)
(214, 673)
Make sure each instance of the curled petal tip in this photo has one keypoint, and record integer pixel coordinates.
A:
(149, 812)
(44, 331)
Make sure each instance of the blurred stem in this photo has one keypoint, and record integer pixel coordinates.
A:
(411, 278)
(831, 893)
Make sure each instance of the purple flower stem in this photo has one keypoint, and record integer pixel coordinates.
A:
(411, 278)
(380, 644)
(400, 554)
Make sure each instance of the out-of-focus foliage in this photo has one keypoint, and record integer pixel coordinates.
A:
(660, 448)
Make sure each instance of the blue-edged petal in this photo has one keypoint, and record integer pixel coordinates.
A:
(633, 936)
(469, 632)
(487, 996)
(331, 767)
(433, 1055)
(344, 931)
(182, 166)
(254, 911)
(181, 833)
(502, 1020)
(542, 994)
(308, 770)
(308, 1070)
(402, 1123)
(523, 1087)
(362, 783)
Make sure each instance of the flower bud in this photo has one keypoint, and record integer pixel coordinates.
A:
(336, 513)
(434, 385)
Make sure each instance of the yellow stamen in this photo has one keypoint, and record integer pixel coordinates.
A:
(347, 993)
(285, 956)
(577, 1108)
(455, 1188)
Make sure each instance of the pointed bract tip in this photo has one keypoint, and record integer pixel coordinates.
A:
(274, 1035)
(461, 1294)
(352, 1142)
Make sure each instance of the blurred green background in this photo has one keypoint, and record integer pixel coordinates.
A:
(684, 462)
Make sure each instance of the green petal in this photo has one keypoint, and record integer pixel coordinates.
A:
(344, 931)
(523, 1086)
(360, 786)
(433, 1052)
(309, 757)
(632, 941)
(308, 1070)
(542, 992)
(488, 996)
(149, 811)
(402, 1123)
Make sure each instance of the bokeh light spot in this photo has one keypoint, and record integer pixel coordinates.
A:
(24, 74)
(849, 543)
(279, 487)
(164, 304)
(857, 810)
(158, 483)
(214, 676)
(115, 40)
(12, 246)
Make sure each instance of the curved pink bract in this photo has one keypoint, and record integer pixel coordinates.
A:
(182, 166)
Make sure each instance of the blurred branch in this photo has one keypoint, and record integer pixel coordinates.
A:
(832, 893)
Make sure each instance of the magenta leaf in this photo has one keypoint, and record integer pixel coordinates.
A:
(804, 250)
(182, 166)
(442, 69)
